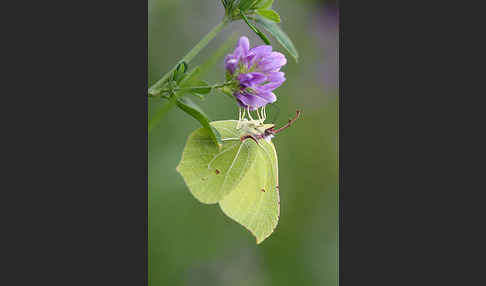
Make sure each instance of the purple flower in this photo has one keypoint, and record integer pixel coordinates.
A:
(256, 73)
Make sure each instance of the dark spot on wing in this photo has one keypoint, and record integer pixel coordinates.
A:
(217, 171)
(263, 190)
(277, 188)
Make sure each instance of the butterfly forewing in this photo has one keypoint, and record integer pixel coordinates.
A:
(211, 173)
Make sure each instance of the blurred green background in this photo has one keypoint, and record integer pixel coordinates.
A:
(195, 244)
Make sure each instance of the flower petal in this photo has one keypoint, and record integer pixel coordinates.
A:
(272, 62)
(252, 101)
(257, 53)
(230, 63)
(244, 44)
(268, 87)
(251, 79)
(276, 76)
(269, 97)
(241, 49)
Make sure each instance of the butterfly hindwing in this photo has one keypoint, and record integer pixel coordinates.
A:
(255, 202)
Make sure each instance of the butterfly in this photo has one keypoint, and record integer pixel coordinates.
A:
(241, 175)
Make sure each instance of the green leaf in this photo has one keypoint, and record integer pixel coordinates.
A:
(159, 114)
(202, 90)
(182, 67)
(180, 72)
(228, 6)
(247, 4)
(201, 97)
(279, 34)
(195, 111)
(241, 176)
(264, 4)
(269, 14)
(256, 30)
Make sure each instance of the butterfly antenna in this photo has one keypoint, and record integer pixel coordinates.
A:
(291, 121)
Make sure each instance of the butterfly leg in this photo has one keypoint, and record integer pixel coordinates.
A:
(249, 114)
(239, 118)
(242, 118)
(260, 120)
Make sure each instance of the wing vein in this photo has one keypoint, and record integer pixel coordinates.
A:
(231, 167)
(221, 153)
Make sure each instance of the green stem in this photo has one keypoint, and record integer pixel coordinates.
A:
(192, 53)
(219, 85)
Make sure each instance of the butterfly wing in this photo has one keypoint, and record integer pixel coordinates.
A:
(255, 202)
(211, 173)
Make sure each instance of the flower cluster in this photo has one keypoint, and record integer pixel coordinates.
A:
(256, 73)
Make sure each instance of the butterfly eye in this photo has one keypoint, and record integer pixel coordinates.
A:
(269, 131)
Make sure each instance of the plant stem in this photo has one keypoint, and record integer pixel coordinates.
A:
(219, 85)
(192, 53)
